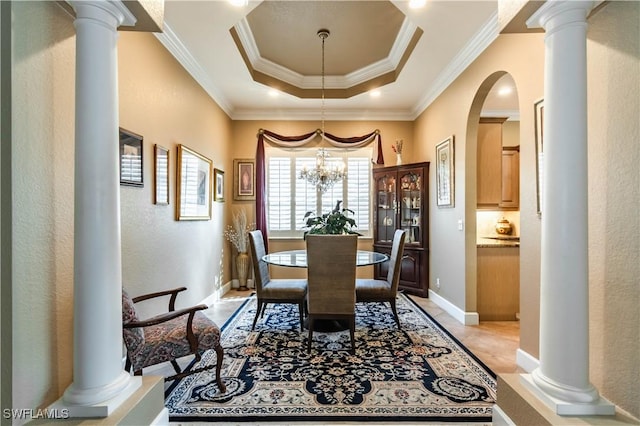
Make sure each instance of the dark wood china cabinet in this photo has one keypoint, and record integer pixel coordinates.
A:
(402, 202)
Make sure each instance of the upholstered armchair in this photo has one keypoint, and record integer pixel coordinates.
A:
(372, 290)
(169, 336)
(331, 275)
(273, 290)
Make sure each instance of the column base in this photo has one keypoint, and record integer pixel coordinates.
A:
(98, 409)
(598, 407)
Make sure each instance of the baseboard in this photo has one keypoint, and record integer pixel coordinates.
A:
(216, 295)
(500, 418)
(526, 361)
(466, 318)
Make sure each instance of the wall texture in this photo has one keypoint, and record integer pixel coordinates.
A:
(161, 102)
(456, 112)
(42, 169)
(613, 54)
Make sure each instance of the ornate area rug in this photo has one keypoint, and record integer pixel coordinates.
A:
(420, 373)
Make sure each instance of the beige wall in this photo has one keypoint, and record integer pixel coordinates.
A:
(456, 112)
(158, 101)
(613, 53)
(161, 102)
(42, 170)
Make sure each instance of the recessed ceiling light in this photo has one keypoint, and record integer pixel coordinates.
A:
(375, 93)
(504, 91)
(417, 4)
(274, 93)
(239, 3)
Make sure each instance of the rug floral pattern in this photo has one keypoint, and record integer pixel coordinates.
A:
(417, 373)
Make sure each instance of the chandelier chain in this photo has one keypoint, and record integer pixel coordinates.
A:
(324, 175)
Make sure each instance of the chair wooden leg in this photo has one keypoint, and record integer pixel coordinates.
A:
(219, 355)
(258, 309)
(301, 310)
(310, 334)
(392, 302)
(352, 327)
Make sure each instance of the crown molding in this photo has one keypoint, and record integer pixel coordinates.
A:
(512, 115)
(362, 75)
(480, 41)
(179, 51)
(313, 114)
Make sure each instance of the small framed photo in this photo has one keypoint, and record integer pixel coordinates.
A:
(539, 128)
(161, 175)
(131, 160)
(194, 182)
(244, 179)
(445, 179)
(218, 185)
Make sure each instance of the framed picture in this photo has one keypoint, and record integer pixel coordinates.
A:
(539, 129)
(218, 185)
(194, 182)
(244, 179)
(445, 179)
(161, 174)
(131, 172)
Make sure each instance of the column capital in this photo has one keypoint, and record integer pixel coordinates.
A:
(114, 11)
(555, 13)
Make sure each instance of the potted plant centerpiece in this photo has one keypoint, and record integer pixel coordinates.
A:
(334, 222)
(238, 235)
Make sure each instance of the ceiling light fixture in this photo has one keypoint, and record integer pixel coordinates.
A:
(417, 4)
(506, 90)
(324, 175)
(239, 3)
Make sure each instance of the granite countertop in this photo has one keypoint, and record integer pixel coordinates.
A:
(498, 241)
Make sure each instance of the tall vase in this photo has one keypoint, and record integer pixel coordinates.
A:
(398, 159)
(242, 265)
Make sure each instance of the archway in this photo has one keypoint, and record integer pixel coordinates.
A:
(492, 182)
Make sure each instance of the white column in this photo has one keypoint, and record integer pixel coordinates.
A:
(563, 375)
(98, 376)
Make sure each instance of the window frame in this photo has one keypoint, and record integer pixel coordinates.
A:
(293, 154)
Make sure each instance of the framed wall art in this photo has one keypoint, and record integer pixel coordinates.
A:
(539, 137)
(194, 182)
(218, 185)
(131, 160)
(244, 179)
(161, 175)
(445, 178)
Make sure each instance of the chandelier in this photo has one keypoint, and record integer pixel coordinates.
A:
(323, 176)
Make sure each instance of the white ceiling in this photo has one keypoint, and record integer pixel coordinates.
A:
(198, 34)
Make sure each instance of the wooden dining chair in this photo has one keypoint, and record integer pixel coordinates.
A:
(331, 274)
(385, 291)
(273, 290)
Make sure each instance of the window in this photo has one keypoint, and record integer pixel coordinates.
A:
(289, 198)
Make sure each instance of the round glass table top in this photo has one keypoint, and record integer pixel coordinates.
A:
(298, 258)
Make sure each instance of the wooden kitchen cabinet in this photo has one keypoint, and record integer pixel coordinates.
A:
(498, 181)
(498, 283)
(489, 180)
(510, 196)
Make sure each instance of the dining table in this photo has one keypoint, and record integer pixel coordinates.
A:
(298, 259)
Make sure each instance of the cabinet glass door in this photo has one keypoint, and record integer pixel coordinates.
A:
(410, 204)
(387, 207)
